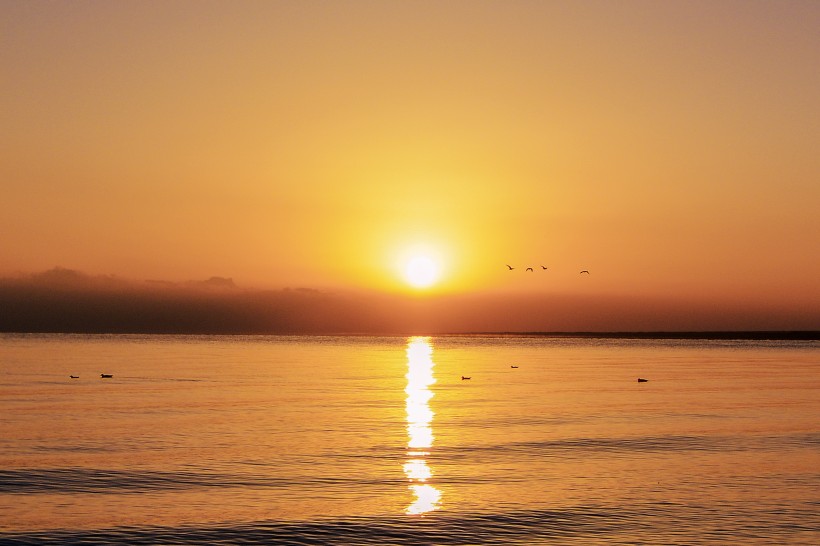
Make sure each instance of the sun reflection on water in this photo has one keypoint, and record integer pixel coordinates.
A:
(419, 429)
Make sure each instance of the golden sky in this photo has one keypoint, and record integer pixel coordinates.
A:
(670, 148)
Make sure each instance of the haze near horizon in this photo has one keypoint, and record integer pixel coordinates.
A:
(394, 157)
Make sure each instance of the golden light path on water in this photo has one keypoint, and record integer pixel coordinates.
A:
(419, 420)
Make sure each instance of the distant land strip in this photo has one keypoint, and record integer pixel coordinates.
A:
(787, 335)
(67, 301)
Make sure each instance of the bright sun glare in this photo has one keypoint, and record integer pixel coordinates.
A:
(421, 271)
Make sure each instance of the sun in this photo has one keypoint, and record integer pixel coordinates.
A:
(421, 271)
(420, 266)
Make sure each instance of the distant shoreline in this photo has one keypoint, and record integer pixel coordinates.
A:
(771, 335)
(786, 335)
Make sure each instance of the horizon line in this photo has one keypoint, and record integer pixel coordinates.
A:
(750, 335)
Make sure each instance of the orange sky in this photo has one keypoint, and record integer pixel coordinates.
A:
(668, 147)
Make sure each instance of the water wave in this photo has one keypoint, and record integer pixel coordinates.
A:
(509, 528)
(673, 443)
(665, 522)
(85, 480)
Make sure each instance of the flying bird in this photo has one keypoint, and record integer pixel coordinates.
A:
(529, 269)
(584, 271)
(543, 267)
(510, 267)
(464, 378)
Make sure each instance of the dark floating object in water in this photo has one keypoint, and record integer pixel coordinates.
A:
(74, 376)
(463, 378)
(642, 380)
(106, 375)
(513, 366)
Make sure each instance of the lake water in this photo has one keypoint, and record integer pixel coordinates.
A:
(370, 440)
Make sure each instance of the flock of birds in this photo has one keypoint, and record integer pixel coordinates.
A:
(544, 268)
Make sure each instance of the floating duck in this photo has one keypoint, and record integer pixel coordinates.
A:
(463, 378)
(513, 366)
(106, 375)
(642, 380)
(74, 376)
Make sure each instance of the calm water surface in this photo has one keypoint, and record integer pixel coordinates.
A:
(360, 440)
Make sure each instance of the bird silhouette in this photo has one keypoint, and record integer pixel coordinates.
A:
(543, 267)
(585, 271)
(510, 267)
(529, 269)
(106, 375)
(463, 378)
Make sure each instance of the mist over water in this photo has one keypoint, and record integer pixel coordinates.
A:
(379, 440)
(63, 300)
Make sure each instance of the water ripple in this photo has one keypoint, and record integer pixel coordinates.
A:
(81, 480)
(666, 522)
(574, 446)
(518, 527)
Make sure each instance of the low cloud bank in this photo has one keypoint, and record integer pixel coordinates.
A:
(64, 300)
